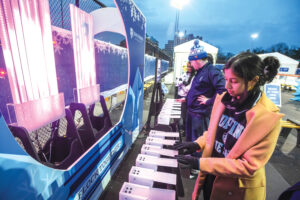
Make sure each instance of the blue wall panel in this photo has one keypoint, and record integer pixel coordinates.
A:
(149, 66)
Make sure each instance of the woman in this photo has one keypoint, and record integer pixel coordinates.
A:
(183, 89)
(242, 134)
(184, 83)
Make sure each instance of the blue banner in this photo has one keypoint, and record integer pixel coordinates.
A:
(283, 69)
(273, 92)
(149, 66)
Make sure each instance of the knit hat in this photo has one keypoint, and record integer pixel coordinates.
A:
(197, 52)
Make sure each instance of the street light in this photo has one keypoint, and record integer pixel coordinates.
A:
(253, 36)
(178, 4)
(181, 34)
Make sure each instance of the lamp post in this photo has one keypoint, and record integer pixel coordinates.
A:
(178, 4)
(176, 26)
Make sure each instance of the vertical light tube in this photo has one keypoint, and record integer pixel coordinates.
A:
(45, 24)
(33, 45)
(83, 44)
(8, 38)
(28, 50)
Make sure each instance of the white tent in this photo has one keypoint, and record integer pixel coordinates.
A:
(288, 67)
(181, 54)
(102, 16)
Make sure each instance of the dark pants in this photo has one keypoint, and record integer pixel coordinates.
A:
(207, 186)
(195, 126)
(183, 115)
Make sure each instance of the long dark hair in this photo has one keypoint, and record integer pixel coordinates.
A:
(192, 73)
(248, 65)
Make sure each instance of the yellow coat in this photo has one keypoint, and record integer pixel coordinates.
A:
(241, 175)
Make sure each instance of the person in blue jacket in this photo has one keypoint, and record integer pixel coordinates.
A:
(207, 82)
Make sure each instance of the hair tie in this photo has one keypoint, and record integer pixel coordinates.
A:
(266, 70)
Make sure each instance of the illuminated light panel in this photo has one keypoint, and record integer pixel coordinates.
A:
(29, 58)
(52, 107)
(28, 49)
(84, 51)
(88, 95)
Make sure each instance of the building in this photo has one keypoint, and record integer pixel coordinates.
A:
(169, 47)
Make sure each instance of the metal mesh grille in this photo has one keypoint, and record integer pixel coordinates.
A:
(60, 11)
(55, 12)
(78, 119)
(62, 128)
(20, 142)
(40, 136)
(97, 109)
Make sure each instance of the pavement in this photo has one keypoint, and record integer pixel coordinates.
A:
(282, 170)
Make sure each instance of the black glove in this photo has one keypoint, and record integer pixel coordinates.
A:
(189, 161)
(186, 147)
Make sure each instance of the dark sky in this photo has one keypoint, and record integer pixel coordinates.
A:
(226, 24)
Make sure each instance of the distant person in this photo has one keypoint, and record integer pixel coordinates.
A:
(184, 82)
(183, 88)
(207, 82)
(210, 58)
(242, 134)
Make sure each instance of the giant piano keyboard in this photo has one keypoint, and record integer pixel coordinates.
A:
(156, 174)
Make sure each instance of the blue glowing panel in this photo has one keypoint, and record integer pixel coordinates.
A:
(164, 66)
(111, 65)
(149, 66)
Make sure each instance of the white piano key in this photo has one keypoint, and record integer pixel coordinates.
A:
(157, 151)
(152, 162)
(159, 141)
(170, 112)
(163, 134)
(144, 176)
(130, 191)
(164, 120)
